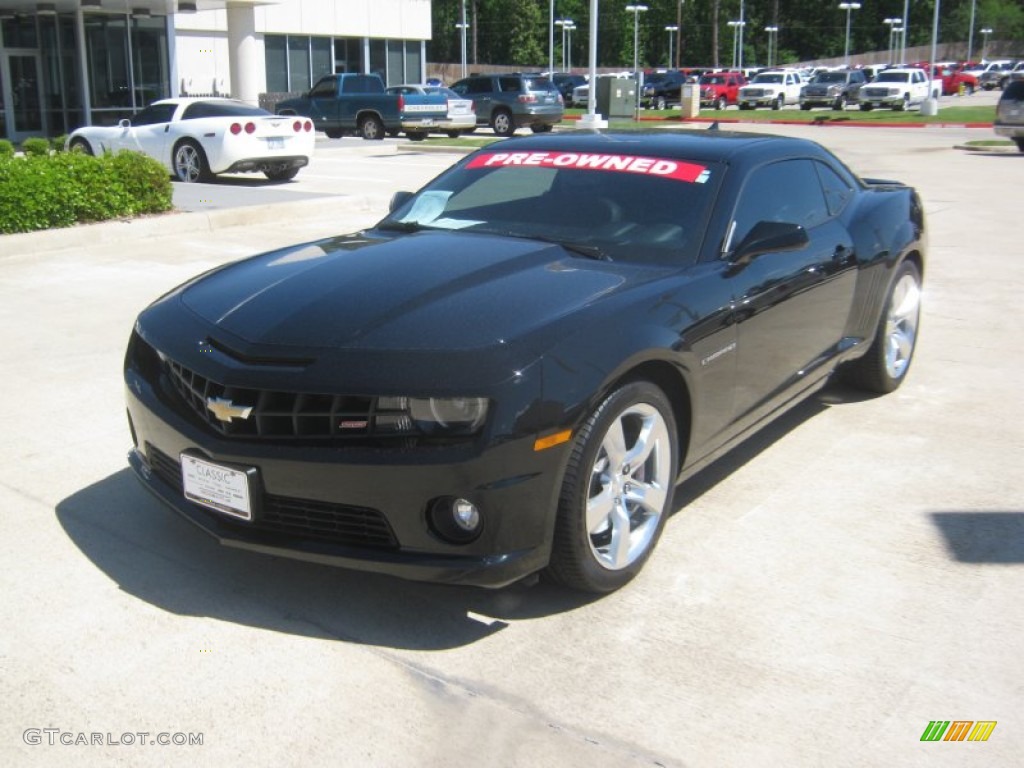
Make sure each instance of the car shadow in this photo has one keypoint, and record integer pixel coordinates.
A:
(154, 555)
(994, 538)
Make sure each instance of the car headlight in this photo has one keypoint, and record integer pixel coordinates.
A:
(431, 415)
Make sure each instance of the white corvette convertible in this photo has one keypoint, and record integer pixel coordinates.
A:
(199, 138)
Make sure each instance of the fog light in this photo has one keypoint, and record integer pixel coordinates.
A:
(467, 516)
(457, 521)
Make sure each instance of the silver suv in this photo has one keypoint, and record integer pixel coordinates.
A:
(508, 102)
(1010, 113)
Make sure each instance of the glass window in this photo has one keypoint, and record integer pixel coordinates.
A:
(510, 84)
(322, 57)
(276, 57)
(837, 191)
(396, 62)
(413, 61)
(154, 114)
(298, 63)
(201, 109)
(106, 40)
(348, 54)
(787, 191)
(379, 58)
(325, 89)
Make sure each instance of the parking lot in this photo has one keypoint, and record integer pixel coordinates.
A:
(823, 593)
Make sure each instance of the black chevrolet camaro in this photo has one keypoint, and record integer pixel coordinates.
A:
(512, 371)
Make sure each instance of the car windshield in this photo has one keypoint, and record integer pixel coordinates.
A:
(768, 79)
(712, 80)
(830, 77)
(635, 208)
(892, 77)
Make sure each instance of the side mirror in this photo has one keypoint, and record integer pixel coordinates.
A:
(124, 122)
(769, 237)
(398, 200)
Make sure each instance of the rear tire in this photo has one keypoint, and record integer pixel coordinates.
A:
(281, 174)
(502, 123)
(371, 128)
(1020, 144)
(190, 164)
(333, 133)
(884, 367)
(416, 136)
(617, 490)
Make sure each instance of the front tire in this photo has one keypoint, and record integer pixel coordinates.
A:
(840, 104)
(78, 144)
(617, 490)
(778, 103)
(721, 104)
(884, 367)
(190, 165)
(660, 103)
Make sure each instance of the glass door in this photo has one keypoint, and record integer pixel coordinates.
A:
(21, 98)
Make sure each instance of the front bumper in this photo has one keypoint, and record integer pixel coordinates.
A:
(515, 488)
(766, 100)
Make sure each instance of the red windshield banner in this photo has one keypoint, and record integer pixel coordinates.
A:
(649, 166)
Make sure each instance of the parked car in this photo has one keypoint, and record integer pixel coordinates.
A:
(511, 371)
(509, 102)
(1017, 73)
(719, 90)
(955, 81)
(566, 83)
(197, 139)
(460, 118)
(662, 90)
(899, 89)
(834, 89)
(774, 88)
(1009, 120)
(353, 103)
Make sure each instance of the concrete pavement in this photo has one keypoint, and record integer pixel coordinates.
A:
(825, 591)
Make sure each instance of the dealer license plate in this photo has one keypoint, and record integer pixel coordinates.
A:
(221, 488)
(275, 143)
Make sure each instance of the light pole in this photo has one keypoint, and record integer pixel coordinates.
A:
(565, 24)
(985, 32)
(636, 10)
(903, 37)
(739, 47)
(848, 7)
(671, 29)
(772, 31)
(736, 27)
(893, 24)
(970, 32)
(551, 36)
(567, 29)
(592, 119)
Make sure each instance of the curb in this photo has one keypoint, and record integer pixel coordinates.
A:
(175, 223)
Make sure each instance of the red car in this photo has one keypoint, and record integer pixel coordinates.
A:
(952, 79)
(720, 89)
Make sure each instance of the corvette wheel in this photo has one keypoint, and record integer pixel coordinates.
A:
(885, 365)
(80, 145)
(190, 163)
(617, 490)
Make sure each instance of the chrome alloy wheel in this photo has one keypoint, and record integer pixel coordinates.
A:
(901, 325)
(629, 486)
(187, 163)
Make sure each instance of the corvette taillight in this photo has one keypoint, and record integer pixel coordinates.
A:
(250, 127)
(297, 126)
(236, 128)
(308, 126)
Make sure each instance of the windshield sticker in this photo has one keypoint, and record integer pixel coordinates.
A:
(649, 166)
(428, 206)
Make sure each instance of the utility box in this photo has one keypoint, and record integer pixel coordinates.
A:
(616, 96)
(690, 100)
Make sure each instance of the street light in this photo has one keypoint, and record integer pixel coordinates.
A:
(462, 27)
(566, 25)
(568, 28)
(906, 26)
(970, 31)
(848, 7)
(772, 32)
(671, 29)
(736, 27)
(985, 32)
(893, 25)
(636, 10)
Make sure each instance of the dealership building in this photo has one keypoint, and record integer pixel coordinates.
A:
(68, 63)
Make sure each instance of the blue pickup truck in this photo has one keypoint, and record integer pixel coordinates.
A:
(357, 104)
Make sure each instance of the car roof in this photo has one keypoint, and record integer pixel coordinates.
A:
(694, 145)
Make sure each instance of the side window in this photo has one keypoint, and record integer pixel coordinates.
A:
(837, 191)
(481, 85)
(325, 89)
(787, 191)
(509, 84)
(154, 114)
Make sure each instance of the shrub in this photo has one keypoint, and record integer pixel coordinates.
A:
(6, 148)
(35, 146)
(57, 142)
(45, 191)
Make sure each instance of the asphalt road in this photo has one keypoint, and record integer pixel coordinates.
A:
(824, 592)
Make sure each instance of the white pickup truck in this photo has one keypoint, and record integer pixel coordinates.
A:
(899, 89)
(775, 89)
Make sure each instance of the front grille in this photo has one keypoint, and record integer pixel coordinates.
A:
(302, 518)
(276, 415)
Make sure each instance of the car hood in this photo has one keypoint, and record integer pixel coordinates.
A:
(423, 291)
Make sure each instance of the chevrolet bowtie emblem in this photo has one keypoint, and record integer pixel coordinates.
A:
(225, 410)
